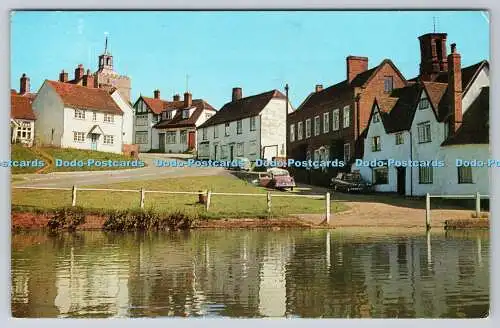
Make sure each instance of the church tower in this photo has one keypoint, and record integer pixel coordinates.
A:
(106, 59)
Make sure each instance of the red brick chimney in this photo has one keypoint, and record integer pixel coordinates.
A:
(188, 99)
(79, 71)
(237, 94)
(319, 87)
(355, 65)
(156, 94)
(88, 80)
(176, 97)
(432, 55)
(24, 85)
(455, 89)
(63, 76)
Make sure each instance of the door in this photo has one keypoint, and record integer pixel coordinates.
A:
(161, 137)
(93, 141)
(401, 171)
(215, 152)
(191, 140)
(231, 152)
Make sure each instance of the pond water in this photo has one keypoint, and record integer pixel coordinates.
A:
(251, 273)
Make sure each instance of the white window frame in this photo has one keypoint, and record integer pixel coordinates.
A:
(240, 148)
(347, 152)
(226, 129)
(308, 128)
(376, 117)
(185, 114)
(171, 137)
(336, 120)
(326, 122)
(317, 125)
(78, 136)
(253, 123)
(424, 103)
(376, 146)
(464, 175)
(141, 137)
(204, 133)
(94, 116)
(108, 139)
(183, 137)
(388, 87)
(216, 131)
(79, 114)
(300, 130)
(424, 132)
(292, 132)
(400, 139)
(425, 175)
(346, 117)
(109, 118)
(239, 126)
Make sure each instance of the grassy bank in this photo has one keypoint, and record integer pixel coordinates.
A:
(49, 154)
(221, 206)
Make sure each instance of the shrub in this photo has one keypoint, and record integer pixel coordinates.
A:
(66, 218)
(147, 220)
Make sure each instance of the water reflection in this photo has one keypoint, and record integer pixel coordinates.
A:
(250, 274)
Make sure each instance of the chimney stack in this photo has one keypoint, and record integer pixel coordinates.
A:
(455, 89)
(237, 94)
(432, 55)
(79, 72)
(188, 99)
(355, 65)
(156, 94)
(319, 87)
(176, 97)
(88, 80)
(25, 84)
(63, 76)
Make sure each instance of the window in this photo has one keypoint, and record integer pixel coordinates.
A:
(155, 118)
(464, 174)
(381, 176)
(424, 132)
(425, 175)
(400, 138)
(108, 140)
(347, 116)
(376, 144)
(253, 123)
(317, 127)
(169, 115)
(185, 113)
(170, 137)
(347, 153)
(308, 128)
(300, 130)
(78, 136)
(141, 137)
(252, 147)
(292, 132)
(216, 131)
(336, 119)
(79, 114)
(239, 149)
(326, 122)
(204, 133)
(94, 116)
(24, 130)
(183, 137)
(109, 118)
(446, 130)
(239, 127)
(226, 129)
(376, 117)
(388, 83)
(141, 120)
(223, 151)
(423, 104)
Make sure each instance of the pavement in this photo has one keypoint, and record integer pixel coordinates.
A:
(151, 171)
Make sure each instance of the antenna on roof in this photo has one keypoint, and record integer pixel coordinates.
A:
(187, 82)
(434, 23)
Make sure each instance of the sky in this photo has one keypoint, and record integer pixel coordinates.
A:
(255, 50)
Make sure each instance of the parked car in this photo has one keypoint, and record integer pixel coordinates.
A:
(349, 182)
(276, 178)
(244, 166)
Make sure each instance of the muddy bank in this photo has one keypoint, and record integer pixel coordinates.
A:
(483, 223)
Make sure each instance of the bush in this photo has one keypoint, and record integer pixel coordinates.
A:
(147, 220)
(66, 218)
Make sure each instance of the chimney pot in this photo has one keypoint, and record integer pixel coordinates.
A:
(156, 94)
(319, 87)
(355, 65)
(25, 84)
(63, 76)
(453, 48)
(237, 94)
(177, 97)
(79, 71)
(188, 99)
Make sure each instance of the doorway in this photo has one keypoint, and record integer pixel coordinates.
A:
(401, 174)
(191, 140)
(231, 153)
(93, 141)
(161, 137)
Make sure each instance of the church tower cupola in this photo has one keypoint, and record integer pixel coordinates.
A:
(106, 59)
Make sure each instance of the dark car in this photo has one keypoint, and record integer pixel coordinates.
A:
(276, 178)
(350, 182)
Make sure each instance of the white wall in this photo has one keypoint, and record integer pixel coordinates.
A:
(128, 117)
(72, 124)
(48, 109)
(273, 127)
(482, 80)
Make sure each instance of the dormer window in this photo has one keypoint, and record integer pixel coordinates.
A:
(376, 117)
(424, 103)
(185, 113)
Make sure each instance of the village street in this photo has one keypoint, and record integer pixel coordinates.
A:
(151, 171)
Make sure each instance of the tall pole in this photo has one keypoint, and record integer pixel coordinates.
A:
(286, 92)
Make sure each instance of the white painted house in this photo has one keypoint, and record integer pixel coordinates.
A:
(431, 121)
(83, 117)
(252, 127)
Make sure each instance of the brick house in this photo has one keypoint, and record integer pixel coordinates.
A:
(329, 122)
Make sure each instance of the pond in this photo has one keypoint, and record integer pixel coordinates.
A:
(251, 274)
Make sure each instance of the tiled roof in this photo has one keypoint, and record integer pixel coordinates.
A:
(177, 121)
(156, 105)
(85, 98)
(437, 97)
(21, 107)
(468, 74)
(243, 108)
(475, 123)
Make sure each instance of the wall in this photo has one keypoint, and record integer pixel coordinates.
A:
(48, 109)
(482, 80)
(128, 117)
(273, 128)
(141, 109)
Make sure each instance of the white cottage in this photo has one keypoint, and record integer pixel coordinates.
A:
(431, 121)
(83, 117)
(253, 127)
(22, 119)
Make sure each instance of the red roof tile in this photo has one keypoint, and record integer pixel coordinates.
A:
(21, 107)
(156, 105)
(85, 98)
(177, 121)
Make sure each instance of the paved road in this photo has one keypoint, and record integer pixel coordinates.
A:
(151, 171)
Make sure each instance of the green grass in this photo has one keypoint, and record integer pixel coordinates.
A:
(21, 153)
(220, 207)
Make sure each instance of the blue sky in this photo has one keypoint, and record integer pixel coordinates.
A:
(257, 51)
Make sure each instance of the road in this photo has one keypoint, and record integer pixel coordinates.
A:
(151, 171)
